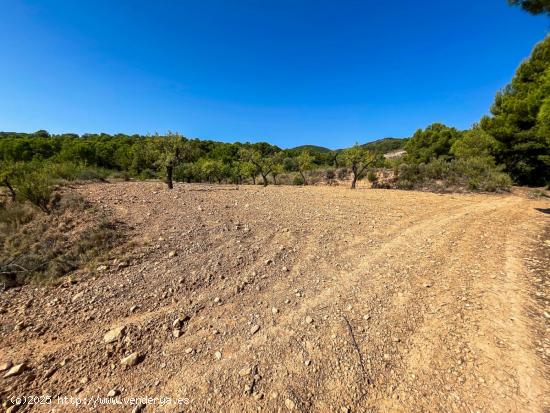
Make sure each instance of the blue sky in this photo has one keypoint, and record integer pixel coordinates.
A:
(287, 71)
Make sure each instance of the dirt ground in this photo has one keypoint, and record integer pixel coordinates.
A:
(294, 298)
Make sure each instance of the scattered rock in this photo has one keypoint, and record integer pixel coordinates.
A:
(309, 320)
(254, 329)
(218, 355)
(176, 333)
(172, 254)
(6, 365)
(131, 360)
(245, 371)
(77, 296)
(16, 370)
(113, 393)
(113, 335)
(274, 310)
(290, 405)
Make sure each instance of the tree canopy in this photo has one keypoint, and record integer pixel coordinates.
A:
(533, 6)
(520, 120)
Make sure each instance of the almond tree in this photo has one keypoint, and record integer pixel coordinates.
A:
(358, 159)
(173, 149)
(265, 164)
(304, 163)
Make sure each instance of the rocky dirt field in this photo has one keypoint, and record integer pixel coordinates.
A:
(293, 298)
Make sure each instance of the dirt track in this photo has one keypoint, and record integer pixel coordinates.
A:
(312, 299)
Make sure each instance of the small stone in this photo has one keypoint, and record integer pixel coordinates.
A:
(176, 333)
(285, 269)
(274, 310)
(366, 317)
(307, 362)
(113, 393)
(133, 308)
(84, 380)
(254, 329)
(427, 285)
(309, 320)
(289, 403)
(113, 335)
(245, 371)
(172, 254)
(189, 350)
(218, 355)
(101, 268)
(77, 296)
(130, 360)
(16, 370)
(6, 365)
(387, 357)
(217, 300)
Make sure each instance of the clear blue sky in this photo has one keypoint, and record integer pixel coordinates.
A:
(290, 72)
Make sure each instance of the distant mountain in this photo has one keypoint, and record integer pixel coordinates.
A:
(311, 148)
(385, 145)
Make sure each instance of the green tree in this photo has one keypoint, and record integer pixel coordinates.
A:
(434, 141)
(519, 120)
(358, 159)
(170, 151)
(474, 143)
(533, 6)
(304, 163)
(264, 163)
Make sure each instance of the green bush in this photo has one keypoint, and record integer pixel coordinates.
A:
(297, 180)
(67, 171)
(372, 176)
(474, 173)
(37, 188)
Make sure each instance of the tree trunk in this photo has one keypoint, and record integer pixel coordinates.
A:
(264, 177)
(303, 177)
(353, 182)
(10, 188)
(169, 172)
(254, 179)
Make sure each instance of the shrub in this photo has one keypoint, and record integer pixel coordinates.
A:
(372, 176)
(37, 188)
(64, 170)
(474, 173)
(342, 173)
(297, 180)
(41, 247)
(92, 174)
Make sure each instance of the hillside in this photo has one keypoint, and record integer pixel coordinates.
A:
(385, 145)
(311, 148)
